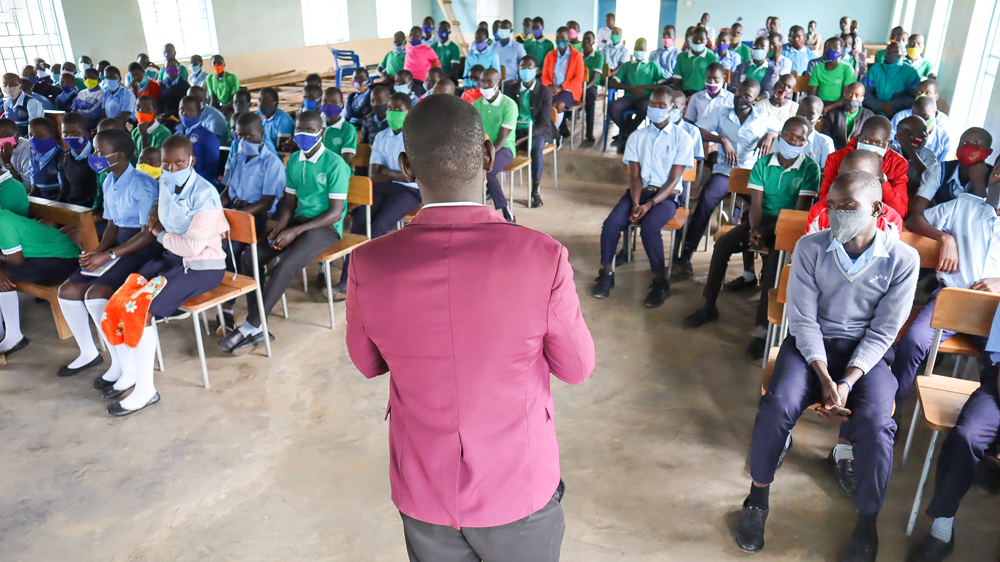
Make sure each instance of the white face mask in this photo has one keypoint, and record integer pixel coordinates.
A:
(880, 150)
(488, 93)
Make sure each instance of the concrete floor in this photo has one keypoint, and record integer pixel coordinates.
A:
(287, 458)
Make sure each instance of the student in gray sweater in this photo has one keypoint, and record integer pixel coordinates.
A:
(850, 291)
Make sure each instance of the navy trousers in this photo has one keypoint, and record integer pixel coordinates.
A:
(590, 99)
(712, 194)
(649, 228)
(733, 242)
(794, 387)
(966, 445)
(621, 105)
(537, 144)
(503, 159)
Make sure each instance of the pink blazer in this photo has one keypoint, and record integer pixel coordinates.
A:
(470, 314)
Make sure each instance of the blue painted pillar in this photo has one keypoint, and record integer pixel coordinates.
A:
(604, 7)
(668, 15)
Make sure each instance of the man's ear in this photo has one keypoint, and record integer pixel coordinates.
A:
(489, 155)
(877, 209)
(405, 169)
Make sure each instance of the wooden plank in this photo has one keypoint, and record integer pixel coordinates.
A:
(929, 249)
(942, 399)
(965, 311)
(66, 214)
(738, 180)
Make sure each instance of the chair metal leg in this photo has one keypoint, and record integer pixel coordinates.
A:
(572, 128)
(958, 361)
(910, 433)
(767, 347)
(305, 280)
(222, 320)
(201, 348)
(555, 166)
(159, 349)
(670, 253)
(284, 306)
(329, 293)
(204, 322)
(510, 200)
(920, 487)
(263, 318)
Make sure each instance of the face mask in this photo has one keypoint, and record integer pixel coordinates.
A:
(854, 105)
(180, 177)
(195, 68)
(267, 110)
(675, 115)
(537, 33)
(151, 170)
(639, 55)
(443, 35)
(667, 42)
(112, 85)
(306, 141)
(723, 48)
(98, 163)
(76, 143)
(42, 146)
(698, 47)
(891, 58)
(527, 74)
(562, 44)
(914, 52)
(658, 115)
(85, 66)
(145, 117)
(871, 148)
(248, 148)
(480, 46)
(172, 71)
(488, 93)
(527, 30)
(241, 107)
(416, 43)
(11, 91)
(993, 195)
(615, 38)
(398, 48)
(402, 88)
(91, 83)
(503, 34)
(787, 151)
(360, 86)
(310, 105)
(218, 68)
(380, 110)
(917, 143)
(395, 119)
(832, 54)
(846, 224)
(427, 29)
(188, 122)
(758, 54)
(713, 88)
(969, 155)
(68, 89)
(573, 34)
(330, 110)
(472, 83)
(848, 49)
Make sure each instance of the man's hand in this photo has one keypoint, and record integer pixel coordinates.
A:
(6, 151)
(765, 143)
(835, 412)
(283, 239)
(987, 285)
(6, 284)
(143, 127)
(90, 261)
(730, 152)
(756, 239)
(639, 212)
(948, 261)
(153, 223)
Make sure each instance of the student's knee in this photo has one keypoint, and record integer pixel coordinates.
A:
(873, 425)
(777, 411)
(72, 291)
(651, 231)
(99, 292)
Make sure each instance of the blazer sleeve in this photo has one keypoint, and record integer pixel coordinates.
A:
(574, 77)
(363, 351)
(829, 174)
(548, 69)
(568, 345)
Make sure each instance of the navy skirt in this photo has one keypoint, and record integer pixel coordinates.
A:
(127, 265)
(42, 271)
(181, 285)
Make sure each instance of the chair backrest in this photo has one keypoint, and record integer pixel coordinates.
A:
(791, 226)
(783, 284)
(66, 214)
(739, 178)
(729, 76)
(690, 174)
(965, 311)
(586, 75)
(802, 83)
(241, 226)
(503, 72)
(363, 155)
(360, 191)
(928, 248)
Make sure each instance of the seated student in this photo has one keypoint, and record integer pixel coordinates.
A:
(428, 37)
(42, 71)
(844, 122)
(311, 96)
(119, 101)
(938, 140)
(170, 54)
(213, 119)
(102, 65)
(84, 62)
(911, 142)
(376, 120)
(340, 138)
(67, 83)
(854, 55)
(657, 156)
(150, 162)
(575, 37)
(896, 35)
(534, 103)
(741, 130)
(128, 198)
(666, 54)
(447, 51)
(615, 53)
(149, 69)
(140, 82)
(914, 50)
(797, 51)
(433, 75)
(189, 223)
(444, 86)
(775, 54)
(310, 221)
(172, 88)
(15, 151)
(757, 67)
(358, 106)
(197, 76)
(406, 85)
(968, 173)
(890, 86)
(393, 60)
(510, 52)
(46, 153)
(77, 181)
(538, 46)
(692, 65)
(481, 55)
(149, 132)
(838, 353)
(728, 58)
(89, 102)
(499, 114)
(928, 88)
(420, 57)
(677, 118)
(637, 79)
(77, 78)
(562, 73)
(241, 104)
(314, 79)
(819, 146)
(28, 88)
(44, 92)
(30, 252)
(736, 31)
(17, 105)
(13, 195)
(889, 221)
(221, 85)
(471, 91)
(593, 61)
(829, 78)
(278, 125)
(714, 95)
(780, 103)
(787, 179)
(204, 145)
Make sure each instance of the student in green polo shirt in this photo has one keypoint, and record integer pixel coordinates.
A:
(447, 51)
(828, 79)
(914, 58)
(593, 60)
(340, 137)
(737, 42)
(538, 46)
(499, 114)
(310, 219)
(393, 60)
(786, 179)
(13, 196)
(692, 64)
(149, 133)
(34, 253)
(637, 78)
(221, 85)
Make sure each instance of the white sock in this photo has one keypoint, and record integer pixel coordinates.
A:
(761, 332)
(143, 356)
(126, 358)
(749, 275)
(559, 120)
(941, 529)
(10, 312)
(842, 452)
(78, 319)
(96, 308)
(248, 329)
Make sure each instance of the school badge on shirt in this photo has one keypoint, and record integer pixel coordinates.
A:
(321, 178)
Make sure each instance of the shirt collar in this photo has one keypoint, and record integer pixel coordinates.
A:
(795, 165)
(152, 126)
(699, 55)
(877, 248)
(315, 157)
(338, 124)
(452, 204)
(496, 102)
(85, 152)
(524, 87)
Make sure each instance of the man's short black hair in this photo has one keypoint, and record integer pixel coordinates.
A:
(443, 136)
(177, 141)
(46, 123)
(73, 118)
(796, 120)
(243, 94)
(7, 127)
(539, 20)
(561, 29)
(269, 91)
(314, 79)
(868, 159)
(109, 123)
(877, 122)
(477, 68)
(133, 66)
(112, 69)
(663, 90)
(313, 90)
(250, 120)
(530, 58)
(119, 140)
(312, 117)
(188, 99)
(403, 98)
(716, 67)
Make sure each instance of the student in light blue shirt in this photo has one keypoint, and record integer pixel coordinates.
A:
(119, 101)
(211, 117)
(28, 88)
(196, 76)
(90, 102)
(278, 125)
(481, 54)
(666, 54)
(616, 54)
(17, 105)
(509, 51)
(204, 144)
(728, 57)
(797, 51)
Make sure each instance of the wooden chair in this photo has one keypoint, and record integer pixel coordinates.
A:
(575, 110)
(801, 85)
(790, 227)
(678, 223)
(739, 179)
(241, 229)
(776, 315)
(65, 214)
(522, 160)
(363, 155)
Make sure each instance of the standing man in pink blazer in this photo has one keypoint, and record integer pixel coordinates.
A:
(470, 341)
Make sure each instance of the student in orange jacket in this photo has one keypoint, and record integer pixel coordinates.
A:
(562, 73)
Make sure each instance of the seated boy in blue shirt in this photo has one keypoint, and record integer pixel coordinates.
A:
(67, 83)
(656, 156)
(205, 145)
(45, 155)
(405, 84)
(213, 119)
(78, 182)
(278, 125)
(357, 106)
(311, 96)
(89, 102)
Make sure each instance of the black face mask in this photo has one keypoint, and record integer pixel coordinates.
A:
(268, 110)
(244, 108)
(380, 110)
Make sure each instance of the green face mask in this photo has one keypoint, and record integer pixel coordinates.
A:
(395, 119)
(615, 38)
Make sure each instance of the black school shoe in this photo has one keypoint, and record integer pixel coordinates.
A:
(23, 343)
(621, 258)
(101, 384)
(701, 317)
(843, 473)
(755, 351)
(749, 532)
(860, 551)
(111, 392)
(250, 343)
(682, 270)
(740, 284)
(659, 292)
(931, 549)
(536, 198)
(605, 282)
(231, 340)
(66, 371)
(115, 408)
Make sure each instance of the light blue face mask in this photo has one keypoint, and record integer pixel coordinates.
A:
(402, 88)
(657, 115)
(675, 115)
(787, 150)
(639, 55)
(503, 34)
(527, 74)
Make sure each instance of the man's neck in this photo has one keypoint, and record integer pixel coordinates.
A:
(118, 170)
(857, 245)
(743, 113)
(495, 96)
(528, 85)
(312, 151)
(786, 162)
(777, 102)
(505, 42)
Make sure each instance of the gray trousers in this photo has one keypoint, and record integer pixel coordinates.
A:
(536, 538)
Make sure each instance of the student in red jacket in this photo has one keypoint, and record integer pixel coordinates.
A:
(562, 73)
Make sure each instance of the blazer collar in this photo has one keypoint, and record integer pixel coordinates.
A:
(464, 214)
